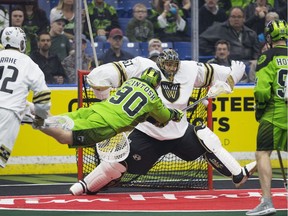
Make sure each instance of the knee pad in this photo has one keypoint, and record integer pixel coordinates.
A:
(101, 176)
(219, 157)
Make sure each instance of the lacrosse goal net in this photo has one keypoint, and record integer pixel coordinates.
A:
(169, 171)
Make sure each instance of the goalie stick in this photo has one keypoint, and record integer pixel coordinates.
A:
(218, 88)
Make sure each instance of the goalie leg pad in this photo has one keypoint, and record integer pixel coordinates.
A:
(222, 159)
(102, 175)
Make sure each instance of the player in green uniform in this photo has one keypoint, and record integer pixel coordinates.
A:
(133, 103)
(271, 108)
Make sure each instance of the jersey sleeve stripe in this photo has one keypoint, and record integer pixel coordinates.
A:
(123, 76)
(209, 74)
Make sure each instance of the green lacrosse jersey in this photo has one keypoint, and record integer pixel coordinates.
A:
(271, 72)
(131, 104)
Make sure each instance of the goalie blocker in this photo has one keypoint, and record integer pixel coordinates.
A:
(222, 160)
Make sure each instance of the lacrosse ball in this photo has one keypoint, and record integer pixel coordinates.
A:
(205, 102)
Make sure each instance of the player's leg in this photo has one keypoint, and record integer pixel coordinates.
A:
(7, 135)
(144, 152)
(221, 159)
(269, 138)
(101, 176)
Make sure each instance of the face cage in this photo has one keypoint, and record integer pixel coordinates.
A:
(169, 74)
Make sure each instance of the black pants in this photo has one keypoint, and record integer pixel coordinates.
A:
(145, 150)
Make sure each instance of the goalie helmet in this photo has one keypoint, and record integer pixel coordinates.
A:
(168, 62)
(14, 37)
(276, 30)
(151, 76)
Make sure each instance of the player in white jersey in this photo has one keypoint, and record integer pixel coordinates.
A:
(148, 142)
(18, 75)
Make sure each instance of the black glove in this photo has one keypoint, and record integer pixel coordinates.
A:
(176, 115)
(37, 122)
(259, 113)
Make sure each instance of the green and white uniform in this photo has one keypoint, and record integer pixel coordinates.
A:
(130, 105)
(271, 108)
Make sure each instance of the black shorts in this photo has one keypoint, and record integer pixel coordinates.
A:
(145, 150)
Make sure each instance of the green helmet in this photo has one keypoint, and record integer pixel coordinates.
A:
(277, 29)
(151, 76)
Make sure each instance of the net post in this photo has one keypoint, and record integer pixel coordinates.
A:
(80, 74)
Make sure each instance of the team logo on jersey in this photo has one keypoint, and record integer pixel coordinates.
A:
(137, 157)
(171, 91)
(261, 59)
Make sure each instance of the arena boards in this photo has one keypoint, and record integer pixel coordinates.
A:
(168, 201)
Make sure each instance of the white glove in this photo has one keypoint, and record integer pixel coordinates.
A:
(237, 70)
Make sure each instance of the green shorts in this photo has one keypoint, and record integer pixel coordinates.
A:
(271, 137)
(89, 128)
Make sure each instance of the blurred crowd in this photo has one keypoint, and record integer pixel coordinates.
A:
(228, 30)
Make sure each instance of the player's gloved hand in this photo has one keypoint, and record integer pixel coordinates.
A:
(259, 113)
(237, 70)
(176, 115)
(37, 122)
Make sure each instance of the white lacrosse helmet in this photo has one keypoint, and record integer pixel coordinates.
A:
(14, 37)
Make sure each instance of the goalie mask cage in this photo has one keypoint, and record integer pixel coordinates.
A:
(169, 172)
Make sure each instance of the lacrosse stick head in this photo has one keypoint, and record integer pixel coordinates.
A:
(115, 149)
(218, 88)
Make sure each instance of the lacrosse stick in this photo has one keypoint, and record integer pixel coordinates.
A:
(218, 88)
(115, 149)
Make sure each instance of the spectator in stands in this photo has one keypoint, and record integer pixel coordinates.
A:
(222, 52)
(169, 21)
(139, 28)
(154, 48)
(209, 13)
(69, 63)
(103, 18)
(243, 41)
(115, 53)
(270, 16)
(224, 4)
(49, 64)
(60, 44)
(255, 15)
(185, 5)
(17, 16)
(281, 9)
(66, 8)
(222, 56)
(4, 17)
(35, 21)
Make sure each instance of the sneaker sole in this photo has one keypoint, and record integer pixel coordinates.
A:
(266, 212)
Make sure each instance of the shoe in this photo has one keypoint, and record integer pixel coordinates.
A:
(78, 188)
(247, 171)
(63, 122)
(264, 208)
